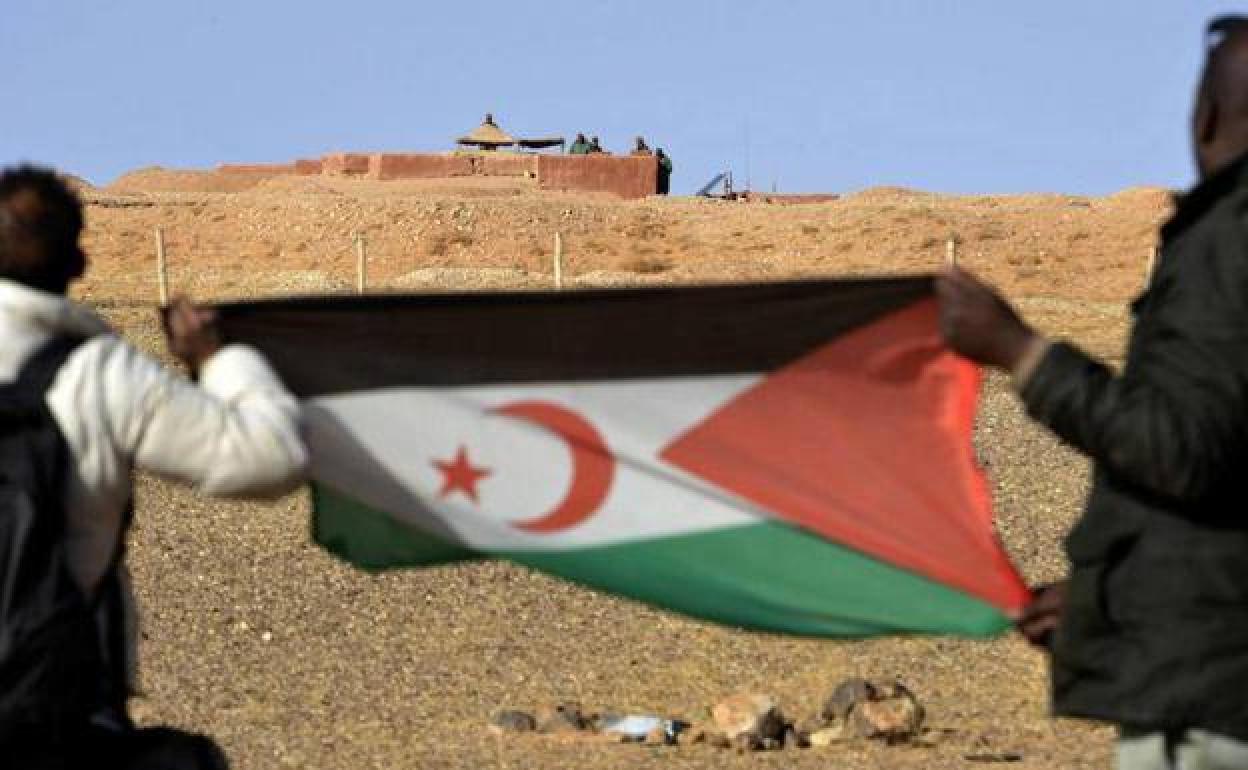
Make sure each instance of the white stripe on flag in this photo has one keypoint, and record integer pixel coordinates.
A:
(405, 430)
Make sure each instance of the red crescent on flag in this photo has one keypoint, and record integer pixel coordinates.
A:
(593, 467)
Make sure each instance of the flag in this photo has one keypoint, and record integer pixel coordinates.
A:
(794, 457)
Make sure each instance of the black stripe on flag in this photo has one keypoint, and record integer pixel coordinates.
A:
(324, 345)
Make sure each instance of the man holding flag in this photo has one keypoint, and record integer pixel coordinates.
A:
(80, 410)
(1150, 632)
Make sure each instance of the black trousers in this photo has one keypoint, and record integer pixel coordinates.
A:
(153, 748)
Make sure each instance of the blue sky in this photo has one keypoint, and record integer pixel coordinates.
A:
(949, 95)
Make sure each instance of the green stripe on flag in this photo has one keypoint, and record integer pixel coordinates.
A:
(373, 540)
(768, 576)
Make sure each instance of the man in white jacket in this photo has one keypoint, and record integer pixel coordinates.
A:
(234, 434)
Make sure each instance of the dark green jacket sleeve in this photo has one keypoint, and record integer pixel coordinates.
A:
(1175, 422)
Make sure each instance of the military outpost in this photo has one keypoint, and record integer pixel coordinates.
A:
(486, 151)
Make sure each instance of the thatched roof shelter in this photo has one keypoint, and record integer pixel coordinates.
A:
(487, 136)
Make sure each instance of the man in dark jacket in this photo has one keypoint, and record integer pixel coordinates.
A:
(1150, 631)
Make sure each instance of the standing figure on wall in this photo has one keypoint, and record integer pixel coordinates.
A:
(665, 172)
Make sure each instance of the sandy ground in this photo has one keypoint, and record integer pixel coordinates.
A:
(294, 660)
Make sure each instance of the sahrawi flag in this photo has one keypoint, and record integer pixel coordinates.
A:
(793, 457)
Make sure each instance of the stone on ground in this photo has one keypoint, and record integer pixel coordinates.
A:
(561, 718)
(748, 719)
(515, 721)
(893, 715)
(845, 697)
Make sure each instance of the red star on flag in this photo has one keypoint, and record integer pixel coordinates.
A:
(460, 475)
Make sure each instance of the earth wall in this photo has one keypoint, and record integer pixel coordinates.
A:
(625, 176)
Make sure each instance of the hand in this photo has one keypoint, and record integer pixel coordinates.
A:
(192, 333)
(1041, 618)
(978, 324)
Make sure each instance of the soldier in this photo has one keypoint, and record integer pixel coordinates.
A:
(665, 172)
(579, 146)
(641, 149)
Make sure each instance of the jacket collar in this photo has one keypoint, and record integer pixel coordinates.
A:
(50, 313)
(1197, 202)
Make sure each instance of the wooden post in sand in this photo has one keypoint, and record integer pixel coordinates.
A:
(361, 263)
(951, 252)
(558, 260)
(162, 268)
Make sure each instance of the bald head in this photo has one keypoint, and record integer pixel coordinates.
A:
(40, 222)
(1220, 118)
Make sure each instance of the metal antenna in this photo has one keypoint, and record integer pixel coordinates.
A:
(747, 154)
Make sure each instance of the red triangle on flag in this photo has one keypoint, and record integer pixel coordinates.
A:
(867, 442)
